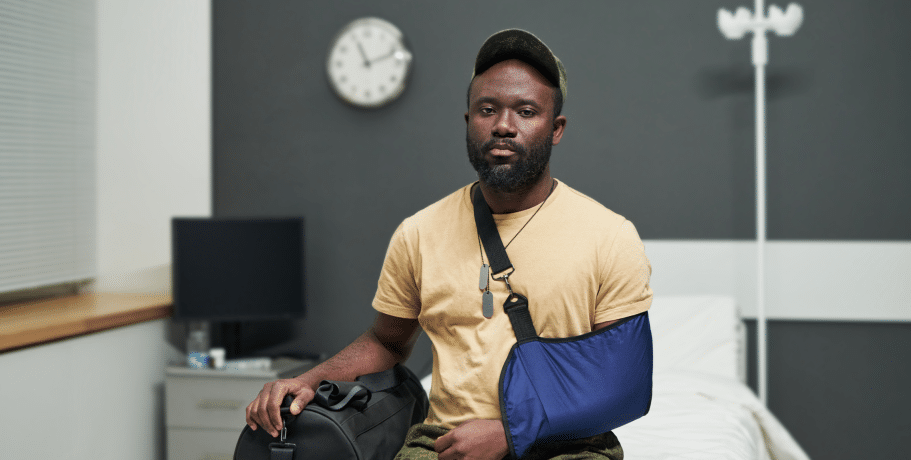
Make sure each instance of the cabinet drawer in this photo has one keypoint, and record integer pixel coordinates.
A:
(189, 444)
(209, 402)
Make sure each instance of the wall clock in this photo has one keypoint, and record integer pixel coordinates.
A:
(368, 62)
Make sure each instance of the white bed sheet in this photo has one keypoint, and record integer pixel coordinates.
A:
(702, 416)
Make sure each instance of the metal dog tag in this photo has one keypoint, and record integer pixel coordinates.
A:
(487, 307)
(482, 285)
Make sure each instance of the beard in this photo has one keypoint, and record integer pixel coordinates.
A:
(519, 175)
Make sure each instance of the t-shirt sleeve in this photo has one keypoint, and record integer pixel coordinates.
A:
(625, 277)
(397, 292)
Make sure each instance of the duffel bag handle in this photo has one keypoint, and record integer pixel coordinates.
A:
(339, 395)
(335, 395)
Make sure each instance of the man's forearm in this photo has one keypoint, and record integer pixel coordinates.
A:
(365, 355)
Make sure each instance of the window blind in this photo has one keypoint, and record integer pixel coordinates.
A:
(47, 142)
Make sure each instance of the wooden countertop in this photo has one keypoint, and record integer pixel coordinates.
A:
(34, 322)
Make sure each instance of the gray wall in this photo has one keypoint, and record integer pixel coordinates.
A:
(659, 103)
(840, 388)
(661, 116)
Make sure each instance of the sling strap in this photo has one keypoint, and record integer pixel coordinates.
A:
(516, 305)
(487, 230)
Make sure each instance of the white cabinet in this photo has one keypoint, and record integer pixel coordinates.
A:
(205, 409)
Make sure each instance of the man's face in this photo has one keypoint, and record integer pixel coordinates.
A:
(511, 128)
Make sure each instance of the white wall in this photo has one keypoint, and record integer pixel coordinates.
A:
(99, 396)
(90, 398)
(805, 280)
(154, 130)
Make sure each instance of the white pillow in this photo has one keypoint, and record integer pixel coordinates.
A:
(698, 333)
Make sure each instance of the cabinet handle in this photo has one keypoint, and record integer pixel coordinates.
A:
(211, 456)
(218, 404)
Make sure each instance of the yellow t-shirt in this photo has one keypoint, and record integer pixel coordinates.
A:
(577, 262)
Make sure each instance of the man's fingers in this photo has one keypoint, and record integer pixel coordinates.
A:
(298, 404)
(259, 408)
(477, 439)
(274, 408)
(443, 442)
(253, 411)
(250, 422)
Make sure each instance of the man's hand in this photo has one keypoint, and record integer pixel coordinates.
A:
(265, 412)
(474, 440)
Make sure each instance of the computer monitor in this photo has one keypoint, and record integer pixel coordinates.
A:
(229, 269)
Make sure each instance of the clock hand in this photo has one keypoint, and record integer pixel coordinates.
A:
(399, 54)
(385, 56)
(363, 54)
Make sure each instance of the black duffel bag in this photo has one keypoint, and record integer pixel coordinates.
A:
(364, 420)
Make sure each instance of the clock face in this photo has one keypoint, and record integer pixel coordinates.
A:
(368, 63)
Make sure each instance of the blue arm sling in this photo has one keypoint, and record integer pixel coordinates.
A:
(571, 388)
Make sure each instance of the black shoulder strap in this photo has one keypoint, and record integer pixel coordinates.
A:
(487, 230)
(516, 305)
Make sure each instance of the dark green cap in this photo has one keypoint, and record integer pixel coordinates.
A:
(521, 45)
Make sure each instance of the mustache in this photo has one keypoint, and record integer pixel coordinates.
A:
(513, 145)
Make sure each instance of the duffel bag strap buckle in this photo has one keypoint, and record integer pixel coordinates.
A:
(281, 451)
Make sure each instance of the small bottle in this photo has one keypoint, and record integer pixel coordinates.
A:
(217, 356)
(198, 346)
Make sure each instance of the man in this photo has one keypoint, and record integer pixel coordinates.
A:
(581, 266)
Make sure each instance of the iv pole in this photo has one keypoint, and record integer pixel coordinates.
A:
(734, 26)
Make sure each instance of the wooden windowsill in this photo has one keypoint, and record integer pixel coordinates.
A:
(34, 322)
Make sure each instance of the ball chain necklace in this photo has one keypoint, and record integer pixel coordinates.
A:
(484, 283)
